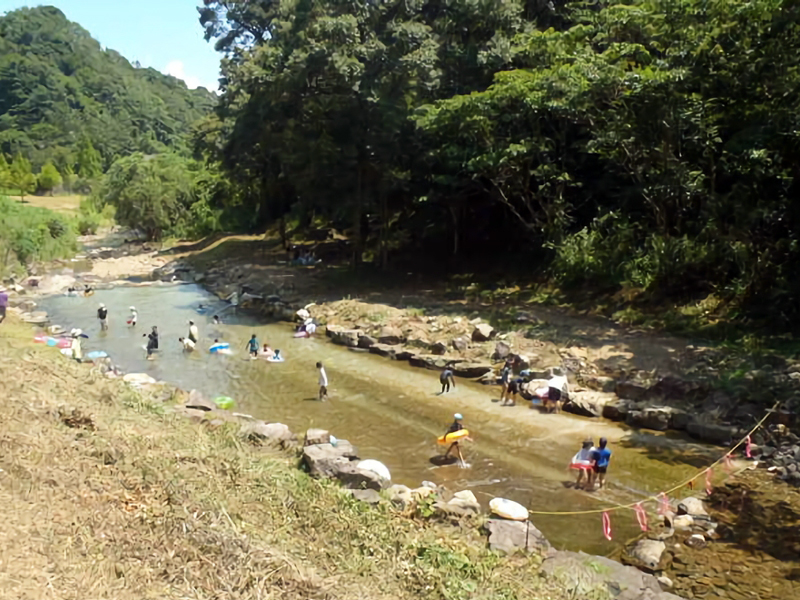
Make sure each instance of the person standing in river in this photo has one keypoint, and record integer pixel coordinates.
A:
(194, 334)
(134, 318)
(323, 382)
(252, 346)
(454, 427)
(601, 457)
(152, 342)
(102, 315)
(447, 379)
(505, 378)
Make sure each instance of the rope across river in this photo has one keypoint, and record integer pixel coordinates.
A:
(657, 498)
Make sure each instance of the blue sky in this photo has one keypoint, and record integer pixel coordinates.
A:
(163, 34)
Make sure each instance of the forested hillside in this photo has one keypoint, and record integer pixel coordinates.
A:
(645, 145)
(62, 94)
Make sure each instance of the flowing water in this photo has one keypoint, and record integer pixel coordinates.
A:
(390, 411)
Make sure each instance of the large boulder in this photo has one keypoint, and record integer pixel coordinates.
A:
(316, 436)
(428, 361)
(715, 434)
(598, 383)
(631, 390)
(350, 476)
(578, 570)
(439, 348)
(326, 460)
(459, 344)
(457, 508)
(649, 418)
(384, 350)
(645, 554)
(391, 336)
(483, 332)
(501, 351)
(693, 507)
(366, 341)
(588, 403)
(273, 434)
(344, 337)
(470, 370)
(616, 410)
(510, 536)
(200, 402)
(672, 387)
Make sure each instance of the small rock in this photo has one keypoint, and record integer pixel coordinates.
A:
(683, 522)
(501, 351)
(316, 436)
(359, 479)
(692, 506)
(422, 492)
(400, 495)
(344, 337)
(696, 541)
(483, 332)
(647, 552)
(369, 496)
(420, 343)
(276, 434)
(430, 484)
(466, 495)
(391, 336)
(459, 344)
(665, 582)
(439, 348)
(457, 508)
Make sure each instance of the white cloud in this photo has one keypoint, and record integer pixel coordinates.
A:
(176, 69)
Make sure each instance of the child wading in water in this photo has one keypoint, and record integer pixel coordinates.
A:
(323, 382)
(446, 379)
(582, 462)
(454, 427)
(252, 346)
(601, 457)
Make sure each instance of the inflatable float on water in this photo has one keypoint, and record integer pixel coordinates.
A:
(453, 437)
(219, 347)
(97, 354)
(508, 509)
(53, 342)
(273, 359)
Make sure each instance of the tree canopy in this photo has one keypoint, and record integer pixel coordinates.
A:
(60, 90)
(647, 144)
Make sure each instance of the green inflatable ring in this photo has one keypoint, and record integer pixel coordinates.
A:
(224, 402)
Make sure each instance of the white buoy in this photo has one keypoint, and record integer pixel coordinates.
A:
(376, 467)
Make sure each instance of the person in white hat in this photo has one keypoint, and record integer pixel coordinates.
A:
(456, 426)
(102, 314)
(134, 318)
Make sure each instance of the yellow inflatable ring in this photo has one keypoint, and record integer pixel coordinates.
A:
(453, 437)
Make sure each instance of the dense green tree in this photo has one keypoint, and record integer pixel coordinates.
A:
(5, 173)
(49, 178)
(89, 165)
(68, 177)
(21, 176)
(160, 195)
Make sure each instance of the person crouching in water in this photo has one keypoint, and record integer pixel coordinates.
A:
(601, 457)
(188, 345)
(454, 427)
(582, 462)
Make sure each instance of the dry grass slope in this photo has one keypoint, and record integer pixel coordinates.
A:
(105, 494)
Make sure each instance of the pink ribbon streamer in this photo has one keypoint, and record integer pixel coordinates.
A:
(641, 516)
(607, 526)
(663, 504)
(709, 474)
(747, 448)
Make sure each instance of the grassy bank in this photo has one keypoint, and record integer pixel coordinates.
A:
(108, 495)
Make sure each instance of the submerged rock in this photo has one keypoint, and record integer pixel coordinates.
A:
(646, 554)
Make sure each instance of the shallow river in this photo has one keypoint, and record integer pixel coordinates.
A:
(389, 410)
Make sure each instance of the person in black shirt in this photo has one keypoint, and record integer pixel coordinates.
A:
(511, 392)
(152, 341)
(446, 379)
(102, 314)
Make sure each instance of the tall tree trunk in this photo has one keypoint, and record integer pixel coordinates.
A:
(454, 215)
(358, 243)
